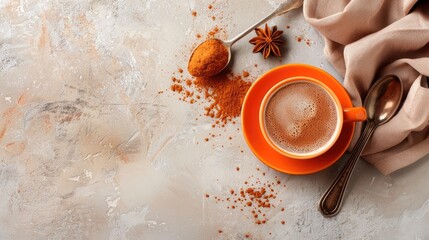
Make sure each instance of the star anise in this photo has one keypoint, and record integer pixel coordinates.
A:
(267, 41)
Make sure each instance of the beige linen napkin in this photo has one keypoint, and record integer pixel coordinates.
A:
(368, 39)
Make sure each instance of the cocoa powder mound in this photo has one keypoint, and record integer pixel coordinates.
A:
(208, 59)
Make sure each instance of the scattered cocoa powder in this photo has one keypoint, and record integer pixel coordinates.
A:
(307, 41)
(226, 93)
(245, 74)
(194, 13)
(256, 197)
(213, 31)
(176, 88)
(217, 32)
(210, 6)
(198, 35)
(223, 95)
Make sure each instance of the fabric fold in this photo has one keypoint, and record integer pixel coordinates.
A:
(365, 40)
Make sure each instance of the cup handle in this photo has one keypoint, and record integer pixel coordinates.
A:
(355, 114)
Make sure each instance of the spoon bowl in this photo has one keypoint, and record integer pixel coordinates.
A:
(226, 44)
(382, 100)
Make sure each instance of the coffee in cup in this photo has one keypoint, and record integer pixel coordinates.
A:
(302, 118)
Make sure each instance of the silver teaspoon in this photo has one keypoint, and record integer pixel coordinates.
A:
(381, 104)
(281, 9)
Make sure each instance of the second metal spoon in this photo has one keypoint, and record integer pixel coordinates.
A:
(381, 104)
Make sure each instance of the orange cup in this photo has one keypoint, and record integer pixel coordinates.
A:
(352, 114)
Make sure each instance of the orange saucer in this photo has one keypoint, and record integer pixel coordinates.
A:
(253, 135)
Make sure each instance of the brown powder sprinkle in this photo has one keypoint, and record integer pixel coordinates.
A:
(220, 231)
(245, 74)
(301, 38)
(176, 88)
(180, 70)
(255, 197)
(198, 35)
(237, 168)
(226, 93)
(210, 6)
(194, 13)
(223, 95)
(214, 31)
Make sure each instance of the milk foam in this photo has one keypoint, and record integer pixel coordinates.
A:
(301, 117)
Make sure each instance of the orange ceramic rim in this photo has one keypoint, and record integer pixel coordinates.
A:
(279, 86)
(253, 134)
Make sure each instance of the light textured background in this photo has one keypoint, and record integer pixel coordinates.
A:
(90, 150)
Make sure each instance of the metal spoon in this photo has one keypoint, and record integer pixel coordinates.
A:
(281, 9)
(381, 104)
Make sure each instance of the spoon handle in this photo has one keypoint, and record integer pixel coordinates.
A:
(330, 203)
(281, 9)
(288, 5)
